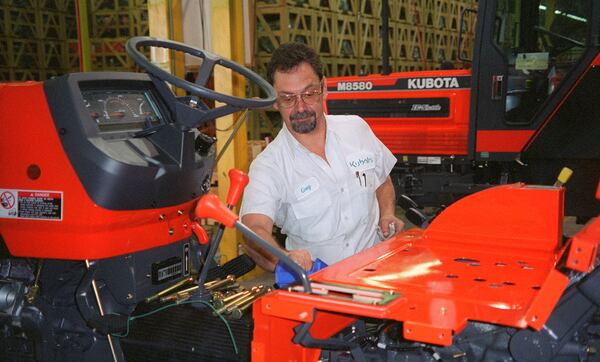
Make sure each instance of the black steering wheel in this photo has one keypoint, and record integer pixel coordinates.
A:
(565, 38)
(232, 103)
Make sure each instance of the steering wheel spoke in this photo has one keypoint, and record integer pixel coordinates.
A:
(222, 111)
(565, 38)
(206, 70)
(188, 117)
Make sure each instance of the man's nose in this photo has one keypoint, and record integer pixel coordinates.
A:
(300, 104)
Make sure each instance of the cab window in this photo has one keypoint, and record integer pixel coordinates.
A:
(542, 41)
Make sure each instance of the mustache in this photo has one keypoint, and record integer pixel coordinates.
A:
(301, 115)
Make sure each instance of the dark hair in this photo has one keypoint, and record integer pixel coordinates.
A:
(447, 65)
(288, 56)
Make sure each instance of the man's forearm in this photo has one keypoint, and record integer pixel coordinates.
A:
(263, 226)
(386, 197)
(263, 258)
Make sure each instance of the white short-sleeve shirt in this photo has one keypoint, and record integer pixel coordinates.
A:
(329, 208)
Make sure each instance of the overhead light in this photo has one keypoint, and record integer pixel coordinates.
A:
(570, 16)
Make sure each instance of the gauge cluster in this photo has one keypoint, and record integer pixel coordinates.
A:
(117, 111)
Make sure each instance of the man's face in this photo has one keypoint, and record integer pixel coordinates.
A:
(299, 98)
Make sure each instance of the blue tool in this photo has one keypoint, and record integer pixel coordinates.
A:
(284, 276)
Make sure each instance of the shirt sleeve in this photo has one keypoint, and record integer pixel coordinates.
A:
(386, 161)
(385, 158)
(261, 196)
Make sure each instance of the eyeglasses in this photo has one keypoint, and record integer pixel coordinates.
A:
(291, 100)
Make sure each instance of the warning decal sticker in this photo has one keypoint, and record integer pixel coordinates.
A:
(31, 204)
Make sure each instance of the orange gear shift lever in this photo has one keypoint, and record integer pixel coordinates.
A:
(238, 181)
(210, 206)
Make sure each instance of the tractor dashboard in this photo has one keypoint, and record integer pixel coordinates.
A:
(122, 110)
(120, 131)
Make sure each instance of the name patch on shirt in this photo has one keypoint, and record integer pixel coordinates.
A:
(361, 161)
(306, 188)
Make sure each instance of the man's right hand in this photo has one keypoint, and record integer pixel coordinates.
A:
(263, 226)
(301, 257)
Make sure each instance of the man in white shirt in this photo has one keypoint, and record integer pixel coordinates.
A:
(324, 179)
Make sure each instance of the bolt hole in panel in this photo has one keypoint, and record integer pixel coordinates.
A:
(466, 260)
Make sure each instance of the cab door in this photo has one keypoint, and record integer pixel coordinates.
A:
(527, 55)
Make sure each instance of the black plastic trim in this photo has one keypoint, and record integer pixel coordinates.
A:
(176, 176)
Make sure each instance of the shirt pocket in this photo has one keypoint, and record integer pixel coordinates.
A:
(364, 197)
(369, 179)
(311, 206)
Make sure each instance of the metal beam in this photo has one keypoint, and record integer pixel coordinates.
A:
(83, 36)
(228, 42)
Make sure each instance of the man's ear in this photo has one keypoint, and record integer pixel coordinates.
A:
(276, 106)
(324, 96)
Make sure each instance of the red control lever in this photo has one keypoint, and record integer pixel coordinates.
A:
(238, 181)
(200, 233)
(209, 206)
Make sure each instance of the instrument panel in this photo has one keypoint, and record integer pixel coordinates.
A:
(122, 110)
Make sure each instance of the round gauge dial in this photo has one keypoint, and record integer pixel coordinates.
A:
(120, 111)
(144, 109)
(117, 108)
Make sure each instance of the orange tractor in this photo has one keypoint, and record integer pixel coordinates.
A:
(106, 179)
(525, 107)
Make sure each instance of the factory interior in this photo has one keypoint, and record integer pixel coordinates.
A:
(300, 180)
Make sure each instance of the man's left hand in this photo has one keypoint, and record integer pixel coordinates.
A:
(386, 197)
(384, 224)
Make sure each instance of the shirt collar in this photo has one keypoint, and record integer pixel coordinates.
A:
(296, 147)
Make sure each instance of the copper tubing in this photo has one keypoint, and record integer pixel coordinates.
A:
(226, 288)
(217, 295)
(180, 294)
(116, 355)
(207, 284)
(219, 302)
(221, 283)
(175, 297)
(225, 308)
(234, 302)
(238, 312)
(169, 289)
(185, 293)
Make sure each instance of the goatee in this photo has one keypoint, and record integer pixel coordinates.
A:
(303, 122)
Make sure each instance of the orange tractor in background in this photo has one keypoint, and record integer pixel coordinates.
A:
(526, 107)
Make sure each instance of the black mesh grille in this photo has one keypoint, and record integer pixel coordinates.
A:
(186, 333)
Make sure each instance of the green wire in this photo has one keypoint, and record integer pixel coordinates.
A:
(132, 318)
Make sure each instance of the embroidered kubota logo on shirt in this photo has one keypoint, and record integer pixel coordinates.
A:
(361, 161)
(306, 188)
